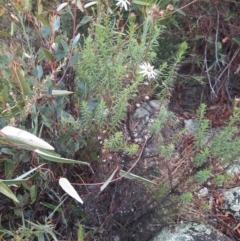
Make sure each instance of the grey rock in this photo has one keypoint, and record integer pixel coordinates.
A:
(232, 202)
(155, 104)
(141, 112)
(190, 232)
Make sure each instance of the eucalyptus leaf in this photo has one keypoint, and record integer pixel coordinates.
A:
(85, 20)
(56, 23)
(46, 32)
(47, 54)
(75, 41)
(57, 159)
(75, 58)
(108, 181)
(61, 6)
(18, 136)
(61, 92)
(40, 71)
(64, 45)
(69, 189)
(79, 5)
(24, 86)
(7, 192)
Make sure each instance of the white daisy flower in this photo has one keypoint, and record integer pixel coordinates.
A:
(123, 3)
(147, 70)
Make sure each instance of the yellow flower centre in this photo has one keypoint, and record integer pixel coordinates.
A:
(149, 69)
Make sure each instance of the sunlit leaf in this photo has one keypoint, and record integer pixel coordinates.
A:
(108, 180)
(69, 189)
(28, 173)
(90, 4)
(61, 6)
(16, 135)
(61, 92)
(2, 11)
(80, 233)
(7, 192)
(4, 34)
(40, 71)
(56, 23)
(79, 5)
(141, 2)
(13, 28)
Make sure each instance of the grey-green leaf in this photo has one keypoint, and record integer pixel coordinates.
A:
(133, 176)
(53, 158)
(46, 32)
(7, 192)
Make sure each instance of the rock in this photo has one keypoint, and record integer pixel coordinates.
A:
(190, 232)
(232, 202)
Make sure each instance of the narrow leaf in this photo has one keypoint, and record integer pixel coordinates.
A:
(75, 59)
(4, 34)
(16, 135)
(53, 158)
(108, 180)
(4, 96)
(61, 6)
(85, 20)
(47, 54)
(79, 5)
(75, 41)
(56, 23)
(46, 32)
(140, 2)
(7, 192)
(27, 173)
(25, 88)
(61, 92)
(69, 189)
(133, 176)
(42, 20)
(64, 45)
(236, 40)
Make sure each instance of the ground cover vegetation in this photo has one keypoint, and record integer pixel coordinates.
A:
(72, 73)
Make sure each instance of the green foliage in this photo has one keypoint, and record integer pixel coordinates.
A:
(168, 73)
(186, 198)
(202, 176)
(201, 157)
(167, 151)
(202, 125)
(73, 114)
(116, 143)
